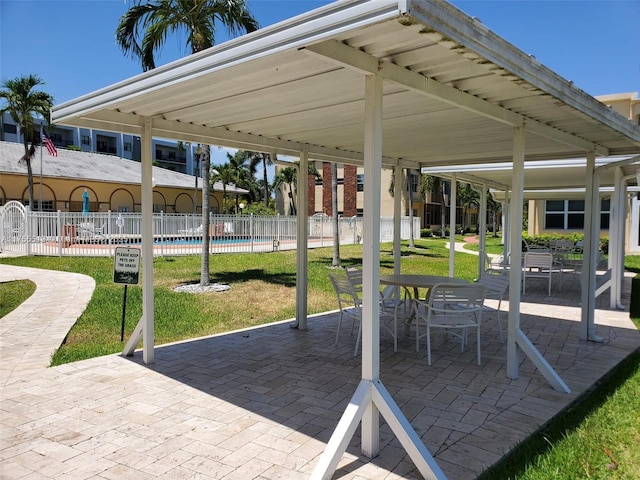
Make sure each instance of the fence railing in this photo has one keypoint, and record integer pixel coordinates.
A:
(98, 234)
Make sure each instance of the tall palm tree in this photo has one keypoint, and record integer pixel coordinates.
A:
(244, 171)
(22, 102)
(289, 176)
(143, 30)
(225, 174)
(469, 197)
(257, 158)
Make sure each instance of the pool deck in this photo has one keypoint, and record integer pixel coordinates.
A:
(262, 403)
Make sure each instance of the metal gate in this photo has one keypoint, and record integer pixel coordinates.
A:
(13, 228)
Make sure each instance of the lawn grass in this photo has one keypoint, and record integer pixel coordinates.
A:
(262, 291)
(13, 294)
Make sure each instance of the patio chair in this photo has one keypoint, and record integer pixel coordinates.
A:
(454, 308)
(349, 303)
(192, 231)
(391, 302)
(90, 230)
(539, 266)
(495, 285)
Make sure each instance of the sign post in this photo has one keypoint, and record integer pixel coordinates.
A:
(126, 270)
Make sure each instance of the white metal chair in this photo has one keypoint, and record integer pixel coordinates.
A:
(451, 307)
(539, 265)
(349, 303)
(495, 285)
(390, 303)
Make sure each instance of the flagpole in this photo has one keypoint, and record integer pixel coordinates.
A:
(41, 145)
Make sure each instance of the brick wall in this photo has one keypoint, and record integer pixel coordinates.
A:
(350, 191)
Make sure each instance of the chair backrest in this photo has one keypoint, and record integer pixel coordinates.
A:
(345, 291)
(454, 299)
(354, 276)
(495, 284)
(562, 246)
(538, 260)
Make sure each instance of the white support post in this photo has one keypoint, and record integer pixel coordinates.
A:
(145, 327)
(590, 248)
(398, 187)
(617, 238)
(302, 240)
(482, 227)
(515, 336)
(452, 225)
(515, 259)
(371, 256)
(363, 407)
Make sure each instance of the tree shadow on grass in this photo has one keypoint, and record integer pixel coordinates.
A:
(284, 279)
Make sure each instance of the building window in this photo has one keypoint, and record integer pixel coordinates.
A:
(44, 206)
(413, 182)
(85, 140)
(9, 128)
(360, 182)
(569, 214)
(127, 146)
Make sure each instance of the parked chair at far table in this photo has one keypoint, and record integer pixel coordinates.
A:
(349, 303)
(390, 304)
(495, 285)
(539, 265)
(451, 307)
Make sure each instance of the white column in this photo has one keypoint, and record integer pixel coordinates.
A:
(398, 188)
(302, 240)
(371, 257)
(515, 259)
(482, 226)
(371, 398)
(590, 250)
(453, 197)
(147, 242)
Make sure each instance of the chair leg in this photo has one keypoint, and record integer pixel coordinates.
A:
(339, 326)
(355, 352)
(428, 346)
(478, 343)
(499, 323)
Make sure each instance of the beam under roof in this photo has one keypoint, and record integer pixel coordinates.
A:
(349, 57)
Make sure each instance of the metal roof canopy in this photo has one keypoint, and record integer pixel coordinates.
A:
(314, 86)
(456, 90)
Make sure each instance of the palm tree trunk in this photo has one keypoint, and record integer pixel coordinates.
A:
(266, 180)
(206, 167)
(195, 186)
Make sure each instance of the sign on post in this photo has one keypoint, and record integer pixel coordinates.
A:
(126, 266)
(126, 269)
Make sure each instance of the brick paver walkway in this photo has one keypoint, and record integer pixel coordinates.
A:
(262, 403)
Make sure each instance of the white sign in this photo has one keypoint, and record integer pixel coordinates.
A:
(126, 265)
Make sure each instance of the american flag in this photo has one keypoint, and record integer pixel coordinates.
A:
(51, 148)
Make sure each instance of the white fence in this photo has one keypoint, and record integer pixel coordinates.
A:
(98, 234)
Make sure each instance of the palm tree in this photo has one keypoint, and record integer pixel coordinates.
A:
(469, 197)
(23, 103)
(264, 159)
(226, 175)
(289, 176)
(197, 18)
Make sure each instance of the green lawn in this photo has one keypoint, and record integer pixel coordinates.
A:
(262, 291)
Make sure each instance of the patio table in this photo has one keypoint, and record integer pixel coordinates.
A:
(415, 282)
